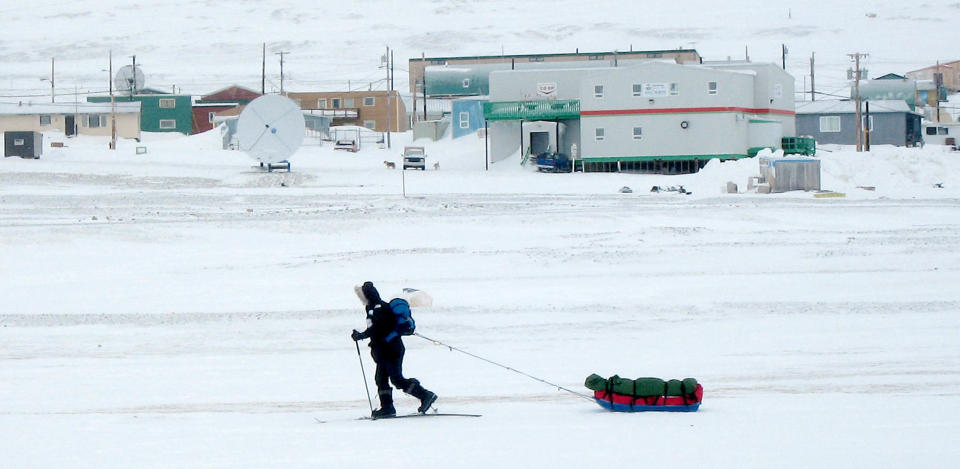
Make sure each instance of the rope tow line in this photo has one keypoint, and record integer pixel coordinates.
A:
(452, 348)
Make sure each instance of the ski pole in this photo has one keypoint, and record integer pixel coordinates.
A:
(590, 398)
(365, 387)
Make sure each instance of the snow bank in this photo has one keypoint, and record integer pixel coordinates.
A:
(458, 166)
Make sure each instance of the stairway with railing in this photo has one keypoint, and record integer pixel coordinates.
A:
(526, 157)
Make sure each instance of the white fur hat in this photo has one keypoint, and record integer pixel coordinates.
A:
(358, 289)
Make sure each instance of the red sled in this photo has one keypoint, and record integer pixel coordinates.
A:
(624, 403)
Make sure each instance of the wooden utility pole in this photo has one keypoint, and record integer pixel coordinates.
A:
(856, 90)
(386, 65)
(783, 56)
(813, 88)
(113, 107)
(281, 54)
(263, 71)
(937, 83)
(423, 56)
(133, 83)
(52, 89)
(413, 115)
(395, 109)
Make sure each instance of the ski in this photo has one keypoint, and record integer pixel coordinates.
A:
(432, 414)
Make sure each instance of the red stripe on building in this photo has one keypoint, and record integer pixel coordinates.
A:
(686, 110)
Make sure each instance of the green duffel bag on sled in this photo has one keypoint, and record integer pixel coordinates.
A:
(676, 387)
(596, 382)
(641, 387)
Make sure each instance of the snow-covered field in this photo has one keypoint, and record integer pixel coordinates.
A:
(183, 309)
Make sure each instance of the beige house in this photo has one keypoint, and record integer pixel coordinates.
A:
(369, 109)
(72, 118)
(949, 70)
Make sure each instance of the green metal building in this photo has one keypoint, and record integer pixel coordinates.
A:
(159, 112)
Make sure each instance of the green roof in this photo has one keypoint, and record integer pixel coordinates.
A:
(531, 110)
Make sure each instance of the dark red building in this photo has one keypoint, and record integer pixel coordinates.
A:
(221, 100)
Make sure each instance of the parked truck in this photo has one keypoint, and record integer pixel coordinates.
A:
(414, 158)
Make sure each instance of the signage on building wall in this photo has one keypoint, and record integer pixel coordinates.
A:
(654, 90)
(546, 89)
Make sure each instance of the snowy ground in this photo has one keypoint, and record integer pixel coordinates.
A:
(182, 309)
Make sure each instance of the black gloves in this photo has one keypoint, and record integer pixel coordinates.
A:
(357, 335)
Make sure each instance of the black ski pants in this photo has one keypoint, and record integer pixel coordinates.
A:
(389, 360)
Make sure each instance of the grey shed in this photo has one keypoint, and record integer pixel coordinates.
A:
(25, 144)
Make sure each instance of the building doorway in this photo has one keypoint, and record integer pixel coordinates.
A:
(539, 142)
(69, 126)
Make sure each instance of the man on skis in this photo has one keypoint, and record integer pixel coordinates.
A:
(387, 350)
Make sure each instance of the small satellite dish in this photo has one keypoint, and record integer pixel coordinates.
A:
(270, 129)
(126, 79)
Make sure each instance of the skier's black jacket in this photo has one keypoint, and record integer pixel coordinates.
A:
(380, 323)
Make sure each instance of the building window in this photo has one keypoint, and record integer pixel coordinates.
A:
(44, 120)
(369, 101)
(322, 103)
(210, 116)
(466, 82)
(829, 123)
(941, 130)
(595, 57)
(370, 124)
(638, 89)
(168, 103)
(18, 142)
(438, 62)
(335, 102)
(711, 87)
(599, 134)
(637, 133)
(464, 120)
(931, 130)
(674, 89)
(536, 59)
(348, 103)
(168, 123)
(96, 120)
(598, 91)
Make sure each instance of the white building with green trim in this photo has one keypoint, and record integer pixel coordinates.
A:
(650, 116)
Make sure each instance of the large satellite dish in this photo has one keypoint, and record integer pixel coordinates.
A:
(270, 129)
(127, 79)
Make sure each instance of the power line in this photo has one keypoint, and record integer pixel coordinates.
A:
(84, 93)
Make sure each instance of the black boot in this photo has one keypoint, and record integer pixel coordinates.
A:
(386, 405)
(426, 401)
(427, 398)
